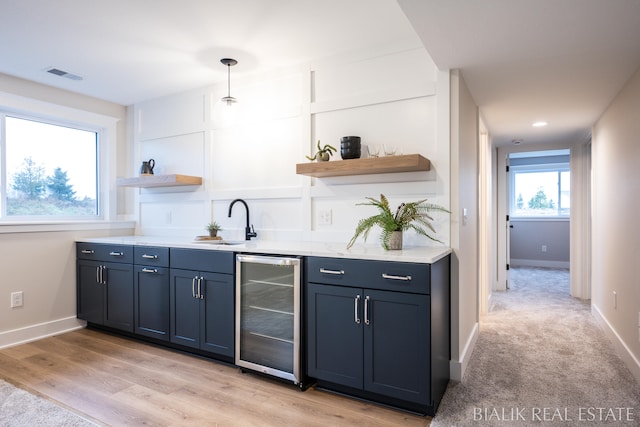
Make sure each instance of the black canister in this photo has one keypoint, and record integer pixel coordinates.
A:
(350, 147)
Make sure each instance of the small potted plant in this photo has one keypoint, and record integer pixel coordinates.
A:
(413, 215)
(323, 154)
(213, 228)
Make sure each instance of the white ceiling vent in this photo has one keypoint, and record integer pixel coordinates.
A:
(62, 73)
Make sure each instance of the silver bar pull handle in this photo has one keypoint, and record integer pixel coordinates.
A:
(355, 309)
(392, 277)
(98, 270)
(193, 286)
(200, 294)
(366, 310)
(116, 253)
(88, 251)
(149, 270)
(103, 274)
(149, 256)
(338, 272)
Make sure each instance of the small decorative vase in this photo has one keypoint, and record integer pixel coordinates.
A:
(395, 240)
(323, 157)
(213, 233)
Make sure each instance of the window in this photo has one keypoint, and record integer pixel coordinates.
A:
(540, 185)
(49, 170)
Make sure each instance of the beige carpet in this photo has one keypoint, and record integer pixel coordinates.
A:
(19, 408)
(541, 359)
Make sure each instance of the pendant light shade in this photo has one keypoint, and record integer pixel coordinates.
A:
(229, 62)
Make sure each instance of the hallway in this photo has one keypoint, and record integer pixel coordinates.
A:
(541, 359)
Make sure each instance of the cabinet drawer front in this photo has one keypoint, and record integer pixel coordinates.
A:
(202, 260)
(151, 255)
(105, 252)
(385, 275)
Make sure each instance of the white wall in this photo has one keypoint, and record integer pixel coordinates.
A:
(615, 231)
(284, 113)
(40, 259)
(464, 231)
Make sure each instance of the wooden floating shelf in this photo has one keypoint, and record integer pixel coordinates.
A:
(146, 181)
(371, 165)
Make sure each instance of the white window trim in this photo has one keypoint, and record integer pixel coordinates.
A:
(551, 167)
(106, 126)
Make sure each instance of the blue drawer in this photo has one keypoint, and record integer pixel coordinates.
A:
(384, 275)
(151, 255)
(202, 260)
(104, 252)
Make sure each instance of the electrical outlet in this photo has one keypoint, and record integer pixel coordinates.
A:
(16, 299)
(324, 217)
(544, 248)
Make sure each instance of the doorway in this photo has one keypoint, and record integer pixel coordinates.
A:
(547, 232)
(539, 207)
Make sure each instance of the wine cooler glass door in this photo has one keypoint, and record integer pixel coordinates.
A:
(267, 315)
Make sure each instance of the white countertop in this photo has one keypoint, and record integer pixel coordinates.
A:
(417, 254)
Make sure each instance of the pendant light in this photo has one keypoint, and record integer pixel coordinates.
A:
(229, 62)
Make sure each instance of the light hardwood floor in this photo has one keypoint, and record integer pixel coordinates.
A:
(118, 382)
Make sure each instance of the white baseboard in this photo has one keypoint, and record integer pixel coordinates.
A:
(515, 262)
(621, 348)
(457, 368)
(39, 331)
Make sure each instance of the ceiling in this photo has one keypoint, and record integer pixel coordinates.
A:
(561, 61)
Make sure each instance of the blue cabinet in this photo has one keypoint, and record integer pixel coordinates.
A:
(105, 285)
(379, 330)
(151, 292)
(202, 302)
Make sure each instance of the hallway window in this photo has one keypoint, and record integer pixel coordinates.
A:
(49, 170)
(540, 185)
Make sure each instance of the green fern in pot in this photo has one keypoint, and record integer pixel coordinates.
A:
(409, 216)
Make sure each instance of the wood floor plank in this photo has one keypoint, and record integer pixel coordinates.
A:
(122, 382)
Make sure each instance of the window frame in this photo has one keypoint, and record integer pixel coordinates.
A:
(4, 179)
(106, 128)
(533, 168)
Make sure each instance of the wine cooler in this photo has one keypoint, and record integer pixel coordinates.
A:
(268, 315)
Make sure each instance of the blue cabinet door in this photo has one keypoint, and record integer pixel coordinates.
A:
(90, 292)
(396, 345)
(217, 321)
(184, 308)
(334, 334)
(151, 302)
(118, 309)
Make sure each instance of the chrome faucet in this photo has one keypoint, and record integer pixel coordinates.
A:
(249, 232)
